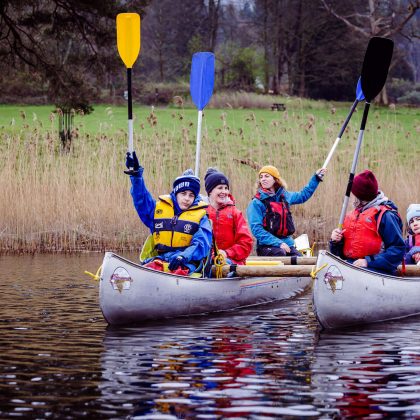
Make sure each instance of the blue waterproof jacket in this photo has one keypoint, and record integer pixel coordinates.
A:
(390, 230)
(145, 205)
(410, 250)
(256, 212)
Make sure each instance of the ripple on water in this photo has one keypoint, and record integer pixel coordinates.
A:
(60, 360)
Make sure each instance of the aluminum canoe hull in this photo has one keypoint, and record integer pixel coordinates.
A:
(132, 294)
(345, 295)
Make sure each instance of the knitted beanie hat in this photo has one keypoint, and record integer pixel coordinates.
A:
(412, 212)
(213, 178)
(187, 181)
(271, 170)
(365, 186)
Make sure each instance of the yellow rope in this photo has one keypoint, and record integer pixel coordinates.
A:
(94, 276)
(219, 262)
(315, 271)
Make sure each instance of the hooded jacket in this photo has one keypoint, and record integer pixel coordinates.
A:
(412, 246)
(145, 205)
(390, 230)
(231, 231)
(256, 212)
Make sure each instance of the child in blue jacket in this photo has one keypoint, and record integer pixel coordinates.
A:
(412, 243)
(178, 222)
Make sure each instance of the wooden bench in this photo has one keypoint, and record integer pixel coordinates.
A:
(278, 107)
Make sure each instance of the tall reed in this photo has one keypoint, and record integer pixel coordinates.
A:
(56, 201)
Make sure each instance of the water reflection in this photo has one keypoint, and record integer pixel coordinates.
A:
(367, 371)
(252, 363)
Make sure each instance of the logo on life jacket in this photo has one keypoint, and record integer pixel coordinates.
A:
(278, 219)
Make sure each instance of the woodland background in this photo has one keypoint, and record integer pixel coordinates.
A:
(64, 51)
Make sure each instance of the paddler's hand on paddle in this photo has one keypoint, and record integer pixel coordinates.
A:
(133, 165)
(320, 173)
(337, 234)
(360, 263)
(416, 257)
(176, 262)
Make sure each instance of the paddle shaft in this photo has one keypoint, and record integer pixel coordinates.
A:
(130, 112)
(197, 152)
(354, 164)
(337, 140)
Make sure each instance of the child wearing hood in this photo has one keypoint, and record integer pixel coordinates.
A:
(412, 243)
(232, 236)
(178, 221)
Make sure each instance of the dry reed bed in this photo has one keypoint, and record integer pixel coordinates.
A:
(54, 201)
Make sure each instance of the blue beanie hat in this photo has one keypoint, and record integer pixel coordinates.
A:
(413, 211)
(213, 178)
(187, 181)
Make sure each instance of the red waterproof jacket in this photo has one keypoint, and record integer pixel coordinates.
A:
(361, 236)
(231, 231)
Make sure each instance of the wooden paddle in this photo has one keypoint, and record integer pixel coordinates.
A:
(373, 77)
(201, 89)
(128, 43)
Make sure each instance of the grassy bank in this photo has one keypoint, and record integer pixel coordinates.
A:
(54, 201)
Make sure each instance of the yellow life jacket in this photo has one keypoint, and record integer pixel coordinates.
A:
(174, 233)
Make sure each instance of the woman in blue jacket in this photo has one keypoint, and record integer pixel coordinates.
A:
(178, 222)
(269, 215)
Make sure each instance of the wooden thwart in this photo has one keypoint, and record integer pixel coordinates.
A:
(286, 260)
(294, 270)
(269, 271)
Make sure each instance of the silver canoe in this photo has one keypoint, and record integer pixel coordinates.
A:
(130, 293)
(345, 295)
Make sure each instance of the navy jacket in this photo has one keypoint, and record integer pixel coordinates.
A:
(390, 230)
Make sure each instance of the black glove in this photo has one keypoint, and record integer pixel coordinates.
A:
(179, 261)
(133, 165)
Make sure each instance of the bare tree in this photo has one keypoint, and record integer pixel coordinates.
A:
(387, 18)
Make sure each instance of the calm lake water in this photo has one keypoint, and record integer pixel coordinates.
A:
(60, 360)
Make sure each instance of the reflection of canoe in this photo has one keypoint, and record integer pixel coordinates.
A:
(130, 293)
(345, 295)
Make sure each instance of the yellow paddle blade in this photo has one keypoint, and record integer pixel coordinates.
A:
(128, 37)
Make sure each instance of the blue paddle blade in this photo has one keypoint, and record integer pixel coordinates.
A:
(202, 78)
(359, 92)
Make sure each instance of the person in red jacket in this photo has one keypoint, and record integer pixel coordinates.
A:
(230, 230)
(372, 233)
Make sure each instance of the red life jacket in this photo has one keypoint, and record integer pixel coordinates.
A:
(278, 219)
(361, 236)
(231, 232)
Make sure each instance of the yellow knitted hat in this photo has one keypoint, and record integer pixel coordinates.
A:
(272, 170)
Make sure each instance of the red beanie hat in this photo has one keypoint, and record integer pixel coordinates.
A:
(365, 186)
